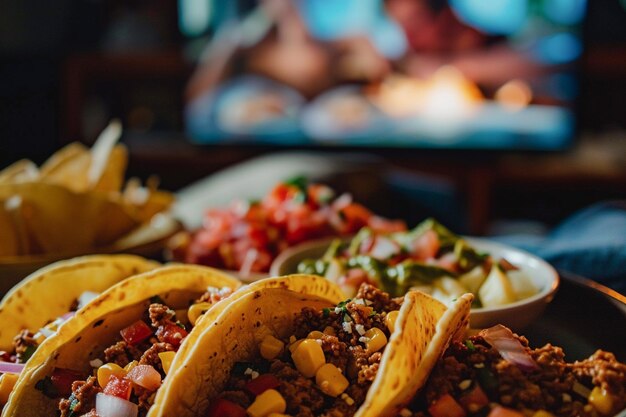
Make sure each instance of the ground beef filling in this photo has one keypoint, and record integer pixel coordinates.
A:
(551, 387)
(82, 400)
(341, 347)
(121, 353)
(23, 344)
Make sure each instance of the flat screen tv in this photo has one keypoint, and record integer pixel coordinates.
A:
(464, 74)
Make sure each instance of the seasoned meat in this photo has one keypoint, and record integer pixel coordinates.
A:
(151, 356)
(82, 399)
(161, 315)
(22, 342)
(122, 353)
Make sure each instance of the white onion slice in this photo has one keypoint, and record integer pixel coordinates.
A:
(111, 406)
(11, 368)
(501, 338)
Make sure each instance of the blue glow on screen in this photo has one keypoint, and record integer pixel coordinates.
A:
(498, 17)
(565, 12)
(559, 48)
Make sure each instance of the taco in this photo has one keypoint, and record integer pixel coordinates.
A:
(111, 332)
(496, 374)
(282, 353)
(34, 309)
(115, 353)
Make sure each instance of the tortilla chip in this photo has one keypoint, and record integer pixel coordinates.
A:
(96, 326)
(71, 166)
(10, 241)
(48, 293)
(59, 220)
(20, 171)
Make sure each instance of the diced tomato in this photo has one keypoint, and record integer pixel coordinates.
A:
(355, 216)
(262, 383)
(446, 406)
(426, 245)
(474, 400)
(382, 225)
(352, 280)
(500, 411)
(63, 380)
(118, 387)
(225, 408)
(449, 262)
(136, 332)
(172, 334)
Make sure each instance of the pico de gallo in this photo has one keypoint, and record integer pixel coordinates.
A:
(248, 235)
(26, 342)
(128, 373)
(429, 258)
(496, 374)
(324, 369)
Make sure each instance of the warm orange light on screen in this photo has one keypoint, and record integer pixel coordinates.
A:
(514, 95)
(449, 95)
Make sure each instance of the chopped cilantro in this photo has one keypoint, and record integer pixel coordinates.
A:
(470, 345)
(28, 352)
(326, 312)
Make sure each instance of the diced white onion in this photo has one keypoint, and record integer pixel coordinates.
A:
(111, 406)
(85, 298)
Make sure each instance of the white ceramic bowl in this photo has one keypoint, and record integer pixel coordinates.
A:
(516, 315)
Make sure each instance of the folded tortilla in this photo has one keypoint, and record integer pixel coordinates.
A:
(423, 327)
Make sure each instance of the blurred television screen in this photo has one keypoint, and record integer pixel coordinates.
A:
(467, 74)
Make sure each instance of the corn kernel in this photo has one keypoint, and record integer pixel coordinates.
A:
(330, 380)
(271, 347)
(330, 330)
(108, 369)
(376, 339)
(315, 334)
(196, 310)
(130, 366)
(308, 357)
(7, 382)
(601, 400)
(270, 401)
(390, 320)
(543, 413)
(294, 345)
(166, 360)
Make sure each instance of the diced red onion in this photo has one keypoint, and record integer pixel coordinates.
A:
(68, 316)
(502, 339)
(11, 368)
(343, 201)
(145, 376)
(111, 406)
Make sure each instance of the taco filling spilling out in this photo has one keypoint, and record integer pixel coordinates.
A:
(26, 342)
(497, 374)
(127, 374)
(324, 369)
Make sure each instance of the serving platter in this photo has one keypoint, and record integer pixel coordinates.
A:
(583, 317)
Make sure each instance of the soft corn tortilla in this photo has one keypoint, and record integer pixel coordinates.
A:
(96, 326)
(233, 337)
(49, 292)
(422, 328)
(298, 283)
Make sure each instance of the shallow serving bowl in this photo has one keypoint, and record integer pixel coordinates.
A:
(516, 315)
